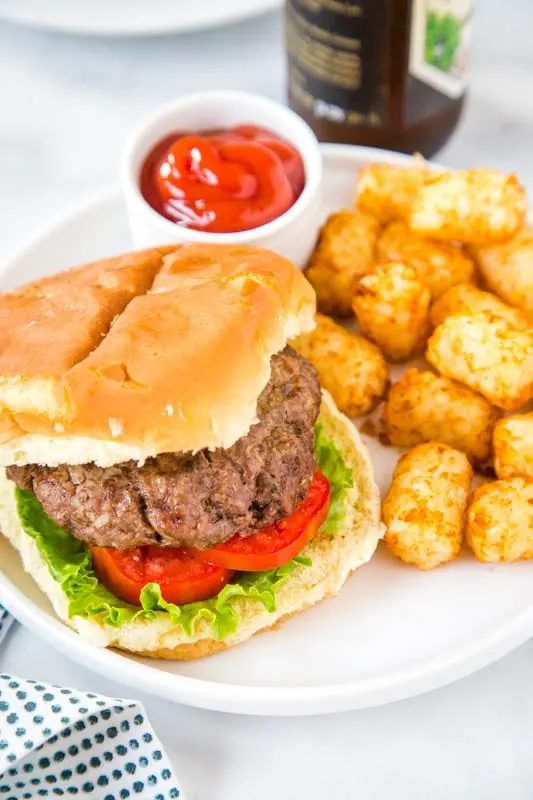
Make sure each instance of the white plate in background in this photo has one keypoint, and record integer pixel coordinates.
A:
(393, 631)
(131, 17)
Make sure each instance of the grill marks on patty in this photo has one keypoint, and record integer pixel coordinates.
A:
(181, 499)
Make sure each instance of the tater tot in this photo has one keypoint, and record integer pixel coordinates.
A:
(513, 447)
(499, 523)
(508, 269)
(466, 300)
(388, 191)
(439, 264)
(392, 306)
(350, 368)
(425, 505)
(489, 355)
(424, 407)
(476, 206)
(345, 250)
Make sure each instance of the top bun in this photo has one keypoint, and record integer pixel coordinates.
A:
(156, 351)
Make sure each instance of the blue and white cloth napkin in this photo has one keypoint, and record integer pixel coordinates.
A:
(57, 742)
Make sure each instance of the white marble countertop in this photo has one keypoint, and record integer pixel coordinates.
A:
(67, 106)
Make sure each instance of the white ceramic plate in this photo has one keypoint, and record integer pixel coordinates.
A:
(131, 17)
(393, 631)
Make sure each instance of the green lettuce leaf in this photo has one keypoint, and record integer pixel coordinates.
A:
(329, 459)
(70, 564)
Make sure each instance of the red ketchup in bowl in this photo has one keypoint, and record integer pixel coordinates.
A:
(223, 181)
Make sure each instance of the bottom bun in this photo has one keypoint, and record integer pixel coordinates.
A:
(334, 558)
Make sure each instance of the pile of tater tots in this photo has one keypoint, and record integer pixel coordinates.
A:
(436, 264)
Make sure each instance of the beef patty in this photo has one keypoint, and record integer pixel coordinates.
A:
(180, 499)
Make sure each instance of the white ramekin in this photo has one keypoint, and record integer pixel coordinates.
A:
(291, 235)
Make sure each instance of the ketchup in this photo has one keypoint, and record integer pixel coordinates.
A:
(222, 181)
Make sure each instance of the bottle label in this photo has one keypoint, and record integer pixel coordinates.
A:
(439, 47)
(338, 59)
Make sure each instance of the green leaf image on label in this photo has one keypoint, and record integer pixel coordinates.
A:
(443, 36)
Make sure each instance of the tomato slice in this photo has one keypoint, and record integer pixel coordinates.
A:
(187, 575)
(182, 578)
(275, 544)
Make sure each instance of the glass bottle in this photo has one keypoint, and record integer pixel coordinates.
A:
(384, 73)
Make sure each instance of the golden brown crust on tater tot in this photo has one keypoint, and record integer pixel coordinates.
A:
(352, 370)
(487, 354)
(476, 206)
(499, 523)
(345, 250)
(425, 407)
(392, 306)
(513, 447)
(388, 191)
(439, 264)
(425, 505)
(466, 300)
(508, 269)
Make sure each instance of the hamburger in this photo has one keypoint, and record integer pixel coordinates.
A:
(173, 477)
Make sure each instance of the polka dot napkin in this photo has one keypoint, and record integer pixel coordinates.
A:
(57, 742)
